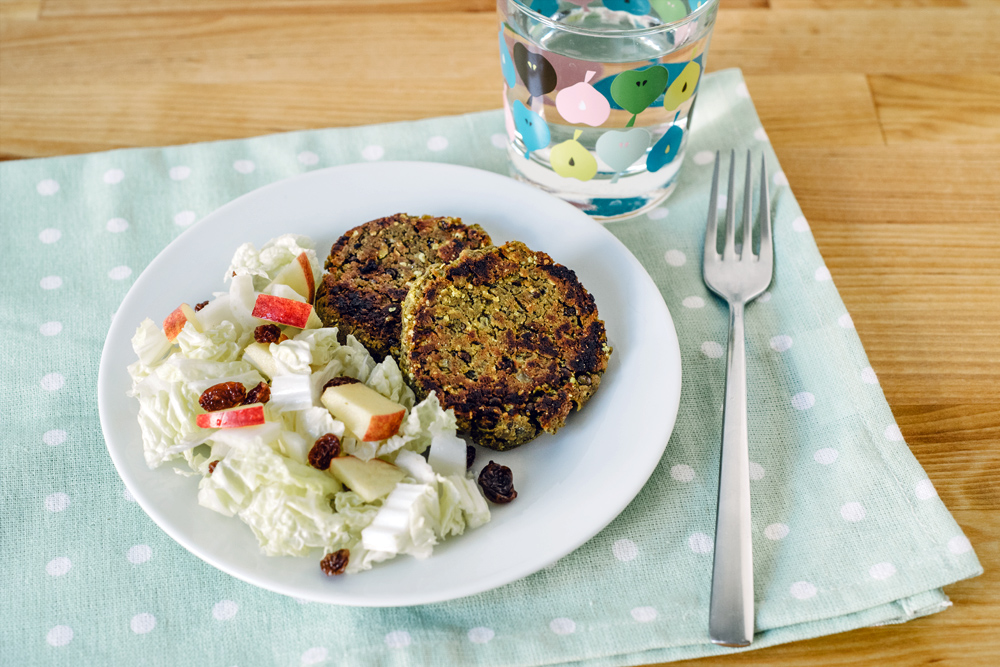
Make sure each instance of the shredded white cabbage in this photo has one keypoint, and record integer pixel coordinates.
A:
(261, 473)
(216, 344)
(265, 263)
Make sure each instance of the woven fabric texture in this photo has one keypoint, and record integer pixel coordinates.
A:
(848, 531)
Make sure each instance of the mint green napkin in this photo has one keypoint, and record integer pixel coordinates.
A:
(847, 529)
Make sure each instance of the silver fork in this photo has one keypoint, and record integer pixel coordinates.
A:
(737, 278)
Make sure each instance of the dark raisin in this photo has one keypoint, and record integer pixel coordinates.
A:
(392, 273)
(369, 266)
(259, 394)
(569, 311)
(464, 356)
(336, 382)
(326, 449)
(267, 333)
(211, 466)
(335, 563)
(200, 306)
(470, 456)
(498, 483)
(223, 395)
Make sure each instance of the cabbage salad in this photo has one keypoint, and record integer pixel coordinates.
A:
(261, 472)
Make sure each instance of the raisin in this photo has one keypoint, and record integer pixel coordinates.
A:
(464, 356)
(335, 563)
(211, 466)
(336, 382)
(498, 483)
(259, 394)
(200, 306)
(470, 456)
(326, 449)
(267, 333)
(369, 266)
(223, 395)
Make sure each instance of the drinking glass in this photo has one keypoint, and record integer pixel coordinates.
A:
(598, 96)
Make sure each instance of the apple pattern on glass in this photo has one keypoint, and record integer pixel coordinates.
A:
(590, 101)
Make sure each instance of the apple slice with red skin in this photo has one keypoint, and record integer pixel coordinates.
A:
(241, 415)
(176, 320)
(283, 311)
(298, 275)
(366, 413)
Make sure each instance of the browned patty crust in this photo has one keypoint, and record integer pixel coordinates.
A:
(371, 267)
(508, 339)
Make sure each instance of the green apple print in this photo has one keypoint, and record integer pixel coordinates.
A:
(669, 10)
(636, 89)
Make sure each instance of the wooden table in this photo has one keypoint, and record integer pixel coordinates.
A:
(885, 115)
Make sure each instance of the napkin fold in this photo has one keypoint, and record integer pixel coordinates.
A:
(848, 531)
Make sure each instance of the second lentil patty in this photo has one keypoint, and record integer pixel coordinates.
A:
(508, 339)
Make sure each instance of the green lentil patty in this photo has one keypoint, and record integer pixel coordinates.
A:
(371, 267)
(507, 338)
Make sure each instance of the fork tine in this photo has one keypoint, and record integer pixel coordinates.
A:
(766, 252)
(712, 228)
(747, 252)
(729, 249)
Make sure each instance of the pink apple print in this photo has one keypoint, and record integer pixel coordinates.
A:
(582, 103)
(581, 3)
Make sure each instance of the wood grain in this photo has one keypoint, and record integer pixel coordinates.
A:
(877, 4)
(65, 8)
(873, 41)
(885, 115)
(76, 8)
(957, 447)
(21, 10)
(816, 110)
(161, 114)
(960, 108)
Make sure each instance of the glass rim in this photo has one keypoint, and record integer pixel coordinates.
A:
(633, 32)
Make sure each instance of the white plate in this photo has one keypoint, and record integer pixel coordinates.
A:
(570, 485)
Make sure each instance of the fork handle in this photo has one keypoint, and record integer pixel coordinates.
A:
(731, 610)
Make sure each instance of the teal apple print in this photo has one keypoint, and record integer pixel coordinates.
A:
(506, 63)
(545, 7)
(637, 7)
(665, 150)
(533, 129)
(634, 90)
(620, 150)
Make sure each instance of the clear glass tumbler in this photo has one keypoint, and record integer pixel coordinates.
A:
(598, 96)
